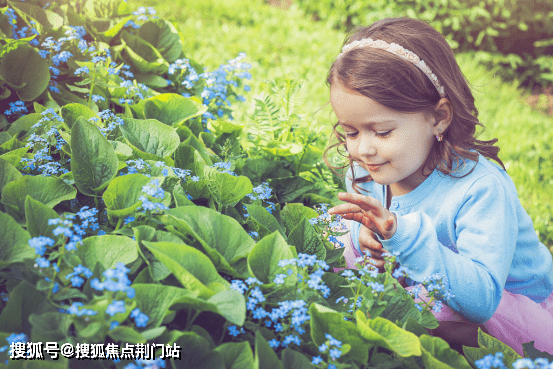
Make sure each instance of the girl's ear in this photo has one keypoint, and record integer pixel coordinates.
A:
(444, 115)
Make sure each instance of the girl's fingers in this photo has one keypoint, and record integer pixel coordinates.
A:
(345, 208)
(363, 202)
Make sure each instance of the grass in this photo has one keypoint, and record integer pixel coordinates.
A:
(287, 44)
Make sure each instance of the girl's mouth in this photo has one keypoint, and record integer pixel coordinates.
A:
(375, 167)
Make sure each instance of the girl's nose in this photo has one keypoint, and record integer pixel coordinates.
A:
(366, 145)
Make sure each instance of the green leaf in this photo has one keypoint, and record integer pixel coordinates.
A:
(161, 34)
(292, 359)
(292, 214)
(71, 112)
(8, 173)
(325, 320)
(289, 189)
(306, 240)
(265, 255)
(191, 267)
(37, 215)
(123, 151)
(237, 355)
(384, 333)
(413, 326)
(173, 109)
(335, 283)
(122, 194)
(155, 300)
(46, 18)
(225, 188)
(222, 238)
(201, 151)
(437, 354)
(49, 326)
(100, 249)
(126, 334)
(196, 352)
(263, 218)
(24, 301)
(26, 72)
(142, 55)
(24, 124)
(219, 126)
(14, 243)
(150, 136)
(93, 159)
(48, 190)
(229, 304)
(488, 342)
(265, 356)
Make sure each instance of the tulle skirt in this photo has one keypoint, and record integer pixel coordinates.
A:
(517, 319)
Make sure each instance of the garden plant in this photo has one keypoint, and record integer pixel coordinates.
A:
(142, 225)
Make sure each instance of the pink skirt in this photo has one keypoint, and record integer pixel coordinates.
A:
(517, 319)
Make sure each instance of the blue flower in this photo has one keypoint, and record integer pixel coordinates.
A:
(140, 318)
(274, 343)
(333, 341)
(233, 331)
(115, 307)
(323, 347)
(317, 360)
(335, 353)
(42, 262)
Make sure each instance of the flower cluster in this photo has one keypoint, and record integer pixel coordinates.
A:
(496, 361)
(437, 287)
(115, 280)
(13, 338)
(289, 318)
(153, 190)
(17, 109)
(328, 225)
(110, 120)
(46, 143)
(146, 364)
(75, 277)
(224, 167)
(332, 347)
(74, 232)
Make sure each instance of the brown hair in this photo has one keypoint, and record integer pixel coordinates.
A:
(398, 84)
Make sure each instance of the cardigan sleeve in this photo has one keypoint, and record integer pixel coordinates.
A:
(486, 229)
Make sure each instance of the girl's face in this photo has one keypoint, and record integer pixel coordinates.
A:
(392, 146)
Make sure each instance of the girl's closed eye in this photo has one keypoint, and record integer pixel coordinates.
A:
(378, 134)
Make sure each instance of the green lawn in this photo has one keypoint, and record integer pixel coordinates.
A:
(287, 44)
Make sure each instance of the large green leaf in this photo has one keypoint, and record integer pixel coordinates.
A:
(265, 356)
(8, 173)
(161, 34)
(108, 250)
(144, 57)
(325, 320)
(222, 238)
(292, 359)
(150, 136)
(289, 189)
(121, 195)
(14, 243)
(24, 301)
(197, 353)
(24, 123)
(190, 266)
(264, 257)
(37, 215)
(173, 109)
(490, 345)
(261, 216)
(437, 354)
(225, 188)
(384, 333)
(71, 112)
(306, 240)
(48, 190)
(292, 214)
(237, 355)
(25, 71)
(47, 19)
(93, 159)
(154, 300)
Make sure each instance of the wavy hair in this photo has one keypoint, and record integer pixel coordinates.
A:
(399, 85)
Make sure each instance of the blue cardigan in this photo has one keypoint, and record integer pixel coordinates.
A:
(472, 229)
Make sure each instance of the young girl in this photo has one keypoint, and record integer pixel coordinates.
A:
(420, 183)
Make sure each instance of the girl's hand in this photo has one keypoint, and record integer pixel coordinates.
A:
(369, 242)
(367, 211)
